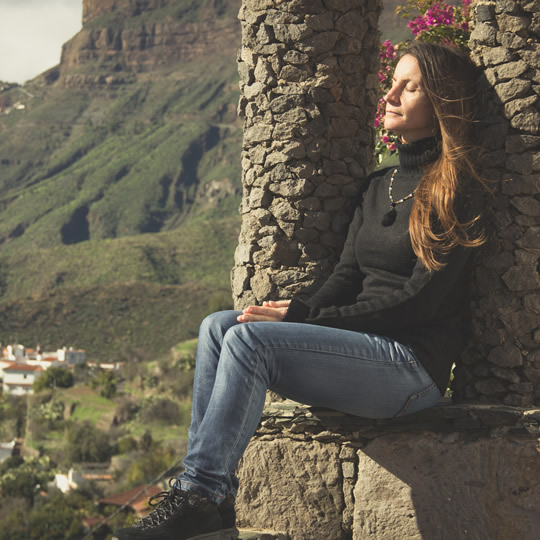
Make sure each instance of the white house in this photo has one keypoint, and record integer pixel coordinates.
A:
(66, 482)
(6, 450)
(71, 356)
(15, 353)
(3, 365)
(44, 361)
(19, 378)
(85, 472)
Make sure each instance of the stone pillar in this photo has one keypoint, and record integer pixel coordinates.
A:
(504, 363)
(308, 73)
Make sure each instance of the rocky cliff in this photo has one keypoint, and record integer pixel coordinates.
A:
(141, 36)
(93, 9)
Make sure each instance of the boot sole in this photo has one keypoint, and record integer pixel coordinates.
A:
(229, 534)
(225, 534)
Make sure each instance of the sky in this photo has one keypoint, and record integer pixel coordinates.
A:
(32, 33)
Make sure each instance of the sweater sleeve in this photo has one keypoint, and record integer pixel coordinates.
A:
(416, 303)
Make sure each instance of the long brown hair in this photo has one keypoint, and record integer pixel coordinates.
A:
(450, 80)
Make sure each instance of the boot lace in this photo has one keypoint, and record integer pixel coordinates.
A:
(166, 503)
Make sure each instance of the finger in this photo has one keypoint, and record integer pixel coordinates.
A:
(260, 310)
(278, 303)
(250, 317)
(266, 311)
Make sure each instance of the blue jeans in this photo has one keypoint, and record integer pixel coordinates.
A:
(360, 374)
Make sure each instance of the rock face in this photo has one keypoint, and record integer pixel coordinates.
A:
(93, 9)
(503, 363)
(157, 33)
(308, 76)
(453, 472)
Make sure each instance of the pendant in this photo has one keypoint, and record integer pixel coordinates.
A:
(389, 217)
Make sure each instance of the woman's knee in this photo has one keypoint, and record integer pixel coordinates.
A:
(243, 335)
(218, 323)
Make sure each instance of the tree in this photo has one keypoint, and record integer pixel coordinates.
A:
(24, 478)
(52, 378)
(54, 517)
(146, 441)
(107, 381)
(87, 443)
(55, 520)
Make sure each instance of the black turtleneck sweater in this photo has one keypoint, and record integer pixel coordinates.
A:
(379, 286)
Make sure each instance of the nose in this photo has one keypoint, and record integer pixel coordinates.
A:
(392, 96)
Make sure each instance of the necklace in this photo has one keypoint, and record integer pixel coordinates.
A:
(390, 216)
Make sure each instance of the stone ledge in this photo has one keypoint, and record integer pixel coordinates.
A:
(450, 472)
(299, 421)
(249, 534)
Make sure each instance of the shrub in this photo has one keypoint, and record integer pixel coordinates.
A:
(54, 377)
(87, 443)
(126, 444)
(126, 410)
(161, 409)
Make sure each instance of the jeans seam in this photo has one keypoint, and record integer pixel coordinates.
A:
(242, 428)
(411, 399)
(412, 362)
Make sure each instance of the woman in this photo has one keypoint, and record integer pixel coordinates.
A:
(379, 337)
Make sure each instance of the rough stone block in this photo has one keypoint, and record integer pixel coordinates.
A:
(485, 34)
(527, 121)
(522, 278)
(512, 23)
(418, 488)
(300, 492)
(506, 356)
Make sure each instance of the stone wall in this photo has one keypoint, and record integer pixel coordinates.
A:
(308, 78)
(503, 364)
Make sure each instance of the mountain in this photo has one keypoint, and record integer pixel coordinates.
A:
(120, 179)
(392, 25)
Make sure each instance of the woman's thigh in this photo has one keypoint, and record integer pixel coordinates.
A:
(357, 373)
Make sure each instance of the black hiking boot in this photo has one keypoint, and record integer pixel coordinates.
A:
(228, 518)
(179, 515)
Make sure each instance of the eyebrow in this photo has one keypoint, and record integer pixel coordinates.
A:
(407, 80)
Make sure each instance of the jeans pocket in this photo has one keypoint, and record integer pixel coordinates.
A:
(412, 401)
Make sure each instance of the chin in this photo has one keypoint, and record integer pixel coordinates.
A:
(391, 129)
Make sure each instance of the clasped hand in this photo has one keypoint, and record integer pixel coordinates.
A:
(268, 312)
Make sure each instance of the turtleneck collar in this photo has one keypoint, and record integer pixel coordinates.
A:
(413, 157)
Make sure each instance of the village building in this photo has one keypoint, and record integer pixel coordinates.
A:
(19, 378)
(134, 500)
(80, 474)
(6, 450)
(20, 367)
(71, 356)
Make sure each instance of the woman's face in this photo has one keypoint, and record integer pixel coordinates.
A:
(408, 110)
